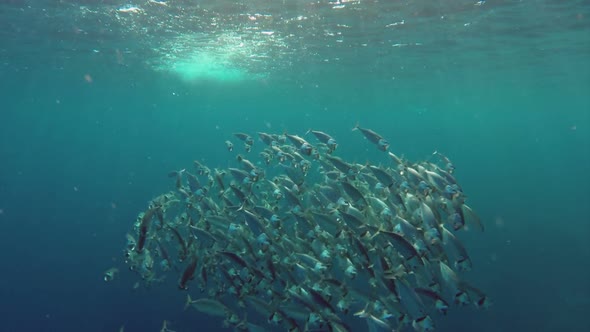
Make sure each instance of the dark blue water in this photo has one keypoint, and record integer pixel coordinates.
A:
(99, 104)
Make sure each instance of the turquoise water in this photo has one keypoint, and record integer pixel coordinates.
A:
(101, 101)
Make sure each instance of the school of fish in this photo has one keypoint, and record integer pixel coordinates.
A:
(296, 238)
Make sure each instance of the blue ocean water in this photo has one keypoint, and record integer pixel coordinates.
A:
(101, 99)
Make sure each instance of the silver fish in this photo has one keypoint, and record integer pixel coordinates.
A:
(382, 144)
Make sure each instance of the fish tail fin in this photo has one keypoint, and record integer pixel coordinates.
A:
(308, 131)
(242, 207)
(375, 229)
(363, 313)
(356, 126)
(188, 302)
(471, 217)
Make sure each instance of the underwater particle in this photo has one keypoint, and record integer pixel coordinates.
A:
(88, 78)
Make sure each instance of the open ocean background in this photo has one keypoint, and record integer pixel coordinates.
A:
(100, 101)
